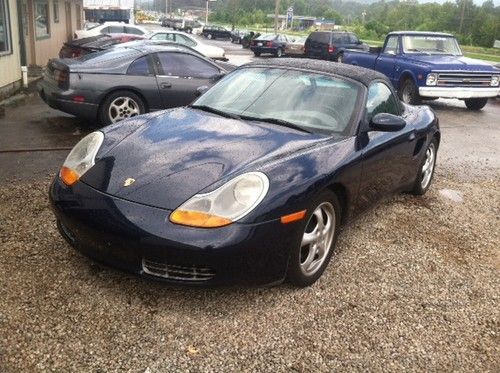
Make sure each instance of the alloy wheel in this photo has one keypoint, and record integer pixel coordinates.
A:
(121, 108)
(317, 239)
(428, 166)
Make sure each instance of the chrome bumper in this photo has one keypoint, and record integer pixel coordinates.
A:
(458, 92)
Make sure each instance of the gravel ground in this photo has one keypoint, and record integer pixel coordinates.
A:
(414, 285)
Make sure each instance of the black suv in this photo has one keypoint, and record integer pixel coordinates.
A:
(216, 32)
(330, 45)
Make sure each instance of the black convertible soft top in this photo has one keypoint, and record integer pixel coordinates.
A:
(360, 74)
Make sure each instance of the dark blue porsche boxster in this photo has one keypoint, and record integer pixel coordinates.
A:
(252, 181)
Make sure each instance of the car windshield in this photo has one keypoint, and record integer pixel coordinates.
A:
(311, 101)
(430, 44)
(266, 37)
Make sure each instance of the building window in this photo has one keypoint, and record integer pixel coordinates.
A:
(55, 6)
(42, 29)
(78, 17)
(4, 28)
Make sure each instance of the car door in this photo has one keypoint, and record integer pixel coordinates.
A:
(387, 156)
(386, 62)
(179, 75)
(140, 74)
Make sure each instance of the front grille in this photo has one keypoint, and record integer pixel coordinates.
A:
(177, 272)
(464, 80)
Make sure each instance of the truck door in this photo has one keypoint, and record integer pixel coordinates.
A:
(386, 62)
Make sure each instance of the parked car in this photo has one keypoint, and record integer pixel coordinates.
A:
(430, 65)
(81, 47)
(238, 35)
(110, 28)
(330, 45)
(295, 47)
(216, 32)
(274, 44)
(189, 26)
(123, 82)
(207, 50)
(246, 184)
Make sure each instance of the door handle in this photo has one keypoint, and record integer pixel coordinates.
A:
(165, 85)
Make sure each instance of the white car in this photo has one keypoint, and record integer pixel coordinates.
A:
(110, 28)
(210, 51)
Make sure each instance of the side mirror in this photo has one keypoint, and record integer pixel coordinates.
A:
(387, 123)
(201, 90)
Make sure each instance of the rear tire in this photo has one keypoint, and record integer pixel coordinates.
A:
(120, 105)
(257, 54)
(278, 53)
(408, 92)
(305, 266)
(209, 36)
(476, 103)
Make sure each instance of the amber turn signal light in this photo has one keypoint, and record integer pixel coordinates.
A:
(68, 176)
(296, 216)
(198, 219)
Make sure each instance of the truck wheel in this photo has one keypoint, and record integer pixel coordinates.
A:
(408, 92)
(475, 103)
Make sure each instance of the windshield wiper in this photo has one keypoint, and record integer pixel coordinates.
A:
(280, 122)
(215, 111)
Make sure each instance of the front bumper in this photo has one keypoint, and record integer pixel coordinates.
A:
(458, 92)
(62, 100)
(127, 235)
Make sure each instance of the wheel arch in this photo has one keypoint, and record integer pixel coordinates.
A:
(343, 196)
(126, 88)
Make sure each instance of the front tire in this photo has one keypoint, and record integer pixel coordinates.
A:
(120, 105)
(209, 36)
(426, 171)
(312, 254)
(408, 92)
(257, 54)
(278, 53)
(476, 103)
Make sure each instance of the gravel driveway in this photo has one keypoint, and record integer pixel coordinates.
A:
(414, 285)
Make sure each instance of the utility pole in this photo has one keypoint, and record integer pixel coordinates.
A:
(462, 13)
(276, 16)
(206, 14)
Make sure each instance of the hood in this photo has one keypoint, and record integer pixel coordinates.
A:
(184, 151)
(446, 62)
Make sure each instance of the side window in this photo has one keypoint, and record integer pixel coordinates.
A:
(133, 30)
(392, 45)
(139, 67)
(185, 65)
(163, 36)
(181, 39)
(105, 30)
(380, 100)
(353, 39)
(116, 29)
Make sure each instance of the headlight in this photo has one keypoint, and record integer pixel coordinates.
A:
(431, 79)
(495, 79)
(225, 205)
(81, 158)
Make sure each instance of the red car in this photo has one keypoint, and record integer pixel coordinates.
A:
(81, 47)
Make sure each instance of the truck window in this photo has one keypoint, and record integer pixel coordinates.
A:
(380, 100)
(391, 46)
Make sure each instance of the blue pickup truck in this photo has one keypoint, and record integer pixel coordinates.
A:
(429, 65)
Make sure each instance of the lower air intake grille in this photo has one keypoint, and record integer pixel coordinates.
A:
(176, 272)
